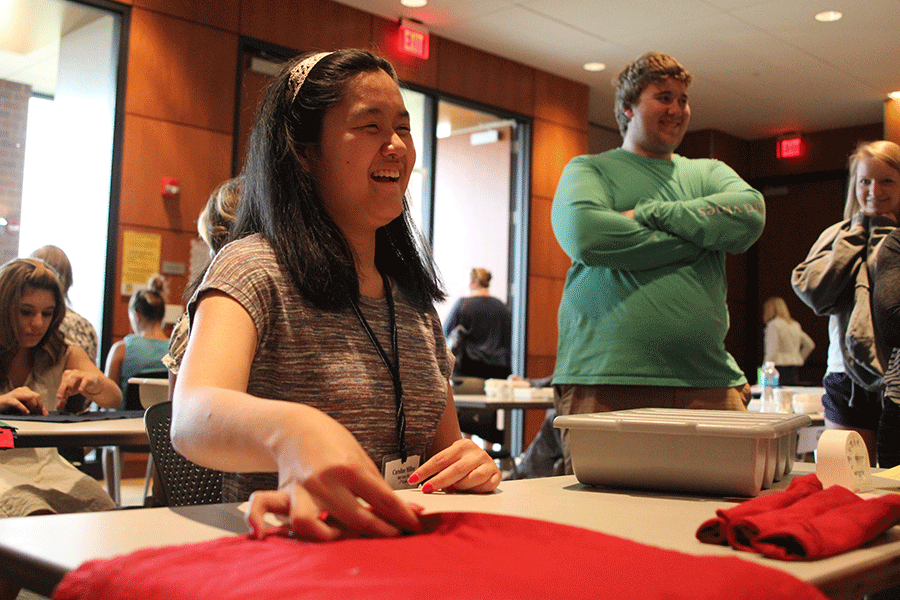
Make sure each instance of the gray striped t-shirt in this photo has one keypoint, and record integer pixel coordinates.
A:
(326, 360)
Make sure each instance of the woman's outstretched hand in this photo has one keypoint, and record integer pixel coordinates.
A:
(75, 381)
(462, 466)
(336, 489)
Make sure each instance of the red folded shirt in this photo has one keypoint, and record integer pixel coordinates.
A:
(804, 522)
(459, 555)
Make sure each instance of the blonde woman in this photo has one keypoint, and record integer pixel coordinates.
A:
(786, 344)
(837, 270)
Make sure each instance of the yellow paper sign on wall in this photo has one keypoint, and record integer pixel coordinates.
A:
(140, 259)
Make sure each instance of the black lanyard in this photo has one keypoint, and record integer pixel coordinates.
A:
(393, 367)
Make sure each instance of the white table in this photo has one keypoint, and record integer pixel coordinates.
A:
(514, 425)
(27, 555)
(110, 432)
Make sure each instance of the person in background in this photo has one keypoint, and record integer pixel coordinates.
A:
(77, 330)
(886, 316)
(39, 372)
(144, 349)
(643, 316)
(484, 352)
(487, 323)
(316, 363)
(212, 225)
(838, 267)
(785, 342)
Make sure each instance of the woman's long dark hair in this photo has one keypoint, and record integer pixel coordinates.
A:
(280, 202)
(15, 277)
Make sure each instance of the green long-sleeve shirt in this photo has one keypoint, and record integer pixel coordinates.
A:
(645, 299)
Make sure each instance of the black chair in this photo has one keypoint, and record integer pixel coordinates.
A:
(183, 483)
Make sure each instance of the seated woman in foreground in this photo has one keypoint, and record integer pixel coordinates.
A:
(316, 363)
(38, 374)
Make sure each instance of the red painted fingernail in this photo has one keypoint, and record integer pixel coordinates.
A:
(427, 488)
(414, 478)
(323, 516)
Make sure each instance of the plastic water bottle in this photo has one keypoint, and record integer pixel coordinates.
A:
(768, 381)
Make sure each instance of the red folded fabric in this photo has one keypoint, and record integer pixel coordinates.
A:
(7, 440)
(716, 530)
(458, 556)
(745, 529)
(830, 532)
(804, 522)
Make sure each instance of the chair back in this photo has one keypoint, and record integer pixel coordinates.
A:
(131, 400)
(183, 482)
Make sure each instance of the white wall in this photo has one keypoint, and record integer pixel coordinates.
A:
(472, 212)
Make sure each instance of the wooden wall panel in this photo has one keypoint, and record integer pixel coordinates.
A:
(732, 151)
(306, 24)
(540, 366)
(544, 294)
(546, 258)
(553, 146)
(560, 101)
(794, 220)
(176, 247)
(180, 71)
(253, 88)
(222, 14)
(892, 120)
(200, 159)
(409, 68)
(710, 143)
(485, 78)
(826, 151)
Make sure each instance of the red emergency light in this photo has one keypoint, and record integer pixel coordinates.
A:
(791, 146)
(413, 39)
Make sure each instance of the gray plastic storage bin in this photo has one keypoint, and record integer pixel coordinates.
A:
(708, 451)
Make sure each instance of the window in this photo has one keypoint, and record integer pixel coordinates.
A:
(68, 61)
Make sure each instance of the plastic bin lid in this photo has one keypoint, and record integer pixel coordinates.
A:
(728, 423)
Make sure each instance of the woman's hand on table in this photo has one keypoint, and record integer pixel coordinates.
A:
(335, 488)
(77, 382)
(463, 466)
(22, 400)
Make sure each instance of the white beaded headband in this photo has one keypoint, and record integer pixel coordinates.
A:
(299, 73)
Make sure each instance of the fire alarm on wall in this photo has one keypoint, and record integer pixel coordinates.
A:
(170, 187)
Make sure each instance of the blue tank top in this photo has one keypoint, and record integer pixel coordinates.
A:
(141, 354)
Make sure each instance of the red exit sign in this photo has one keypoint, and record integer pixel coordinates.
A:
(413, 41)
(791, 147)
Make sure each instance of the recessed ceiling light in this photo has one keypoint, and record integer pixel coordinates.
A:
(594, 66)
(414, 3)
(828, 16)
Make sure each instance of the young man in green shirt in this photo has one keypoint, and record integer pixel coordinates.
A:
(643, 316)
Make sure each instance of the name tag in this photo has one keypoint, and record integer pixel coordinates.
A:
(396, 472)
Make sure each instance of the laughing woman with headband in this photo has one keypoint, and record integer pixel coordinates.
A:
(316, 363)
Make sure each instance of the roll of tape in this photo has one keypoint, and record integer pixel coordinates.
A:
(842, 459)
